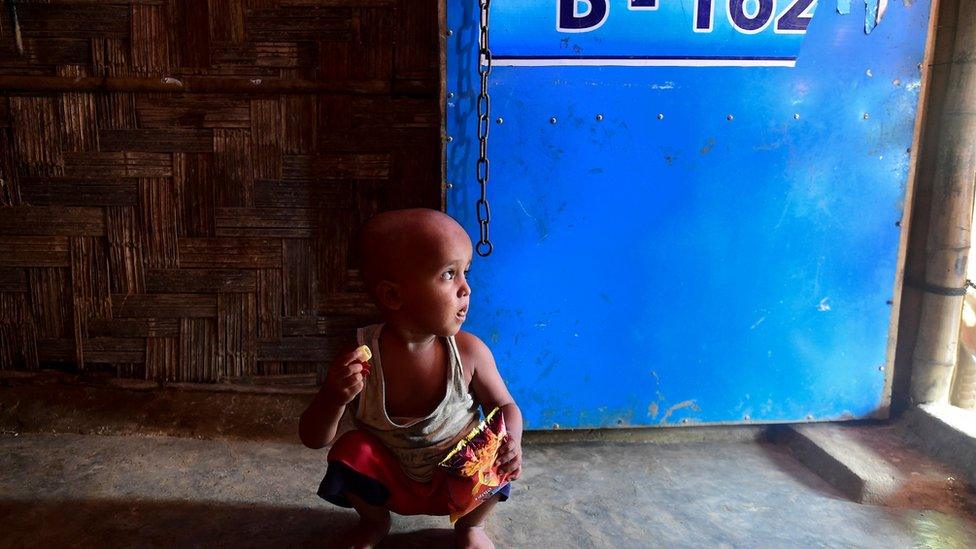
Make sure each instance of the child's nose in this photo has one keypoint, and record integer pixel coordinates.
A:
(464, 290)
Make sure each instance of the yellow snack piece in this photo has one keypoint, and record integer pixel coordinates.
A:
(364, 352)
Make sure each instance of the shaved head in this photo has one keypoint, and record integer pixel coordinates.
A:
(392, 243)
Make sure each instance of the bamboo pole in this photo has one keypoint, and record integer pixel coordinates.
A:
(949, 231)
(963, 393)
(964, 382)
(191, 84)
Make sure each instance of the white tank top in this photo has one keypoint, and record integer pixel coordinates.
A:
(419, 443)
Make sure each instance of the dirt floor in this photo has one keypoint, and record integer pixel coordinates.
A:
(113, 491)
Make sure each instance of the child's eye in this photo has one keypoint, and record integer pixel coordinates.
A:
(448, 274)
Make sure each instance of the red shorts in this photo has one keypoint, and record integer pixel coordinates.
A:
(360, 464)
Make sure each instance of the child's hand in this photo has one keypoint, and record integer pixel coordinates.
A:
(510, 457)
(344, 379)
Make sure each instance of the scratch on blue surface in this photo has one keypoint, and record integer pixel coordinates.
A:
(874, 12)
(526, 212)
(539, 224)
(843, 7)
(684, 404)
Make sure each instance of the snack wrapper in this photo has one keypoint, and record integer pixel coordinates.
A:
(473, 459)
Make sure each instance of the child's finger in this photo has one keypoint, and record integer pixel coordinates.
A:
(511, 466)
(350, 370)
(507, 457)
(339, 374)
(509, 449)
(352, 380)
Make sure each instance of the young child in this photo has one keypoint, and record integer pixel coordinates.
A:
(421, 394)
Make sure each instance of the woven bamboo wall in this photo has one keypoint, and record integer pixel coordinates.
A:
(181, 178)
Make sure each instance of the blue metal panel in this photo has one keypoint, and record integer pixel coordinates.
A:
(720, 247)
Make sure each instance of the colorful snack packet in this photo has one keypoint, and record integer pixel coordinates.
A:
(473, 459)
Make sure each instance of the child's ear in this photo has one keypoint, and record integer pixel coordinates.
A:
(388, 294)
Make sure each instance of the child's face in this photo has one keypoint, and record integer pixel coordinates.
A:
(435, 295)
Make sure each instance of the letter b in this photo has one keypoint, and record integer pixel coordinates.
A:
(570, 19)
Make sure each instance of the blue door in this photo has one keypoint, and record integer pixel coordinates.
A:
(694, 204)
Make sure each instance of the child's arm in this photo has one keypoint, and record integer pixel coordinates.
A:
(343, 381)
(490, 391)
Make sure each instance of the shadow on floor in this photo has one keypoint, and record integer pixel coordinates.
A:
(138, 523)
(431, 538)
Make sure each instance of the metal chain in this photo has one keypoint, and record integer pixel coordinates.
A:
(484, 117)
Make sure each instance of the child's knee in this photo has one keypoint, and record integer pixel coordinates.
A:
(353, 442)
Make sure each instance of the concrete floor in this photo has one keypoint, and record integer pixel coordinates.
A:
(106, 491)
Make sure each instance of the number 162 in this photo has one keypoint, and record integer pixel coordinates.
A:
(753, 16)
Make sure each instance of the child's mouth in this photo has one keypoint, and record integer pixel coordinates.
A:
(462, 313)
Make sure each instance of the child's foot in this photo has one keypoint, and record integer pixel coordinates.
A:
(472, 537)
(365, 534)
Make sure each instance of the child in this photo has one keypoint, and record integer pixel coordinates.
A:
(423, 389)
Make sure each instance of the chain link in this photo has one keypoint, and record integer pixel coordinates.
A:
(484, 118)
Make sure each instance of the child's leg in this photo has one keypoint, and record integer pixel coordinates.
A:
(373, 526)
(470, 531)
